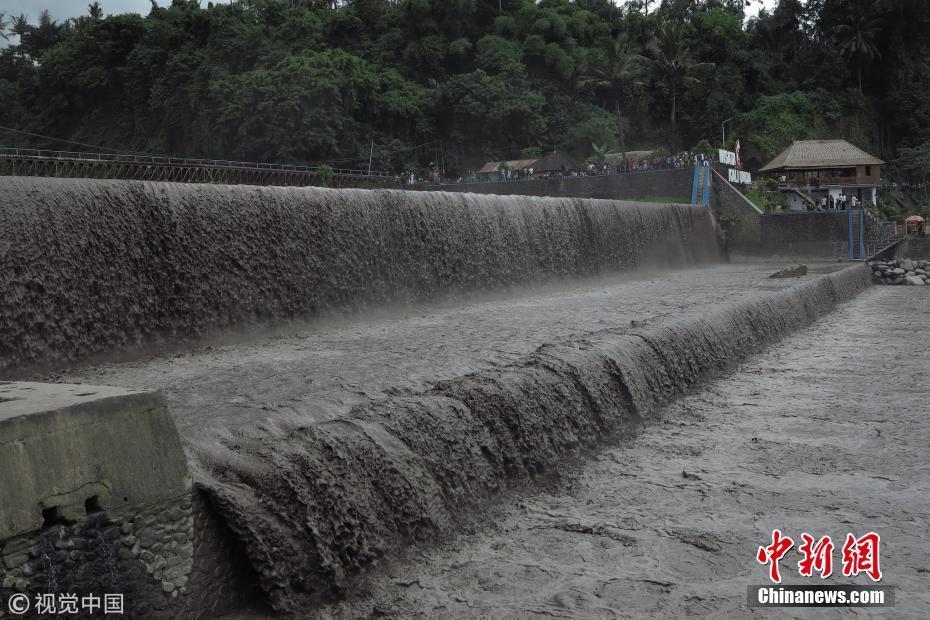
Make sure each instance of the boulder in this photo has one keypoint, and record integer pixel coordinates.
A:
(793, 271)
(914, 281)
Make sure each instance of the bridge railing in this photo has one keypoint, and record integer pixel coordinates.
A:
(124, 158)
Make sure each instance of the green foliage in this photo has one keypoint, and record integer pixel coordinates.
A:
(287, 80)
(599, 127)
(326, 173)
(598, 153)
(767, 199)
(305, 103)
(703, 146)
(915, 161)
(777, 120)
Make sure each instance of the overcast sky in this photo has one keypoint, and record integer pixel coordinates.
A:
(63, 9)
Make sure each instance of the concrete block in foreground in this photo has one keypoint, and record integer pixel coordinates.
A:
(70, 450)
(97, 499)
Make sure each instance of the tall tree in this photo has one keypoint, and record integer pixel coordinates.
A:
(673, 62)
(857, 37)
(615, 75)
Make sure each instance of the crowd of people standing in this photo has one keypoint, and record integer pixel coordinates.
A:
(837, 203)
(661, 162)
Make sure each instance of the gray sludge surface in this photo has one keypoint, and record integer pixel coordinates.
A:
(91, 267)
(315, 503)
(825, 432)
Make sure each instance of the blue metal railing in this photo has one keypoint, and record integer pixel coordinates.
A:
(707, 177)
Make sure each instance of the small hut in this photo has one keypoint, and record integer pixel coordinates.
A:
(554, 162)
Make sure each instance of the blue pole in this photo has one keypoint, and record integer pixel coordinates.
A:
(852, 246)
(694, 186)
(861, 225)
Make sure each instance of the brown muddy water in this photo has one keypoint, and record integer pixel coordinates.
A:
(826, 432)
(321, 370)
(331, 447)
(502, 349)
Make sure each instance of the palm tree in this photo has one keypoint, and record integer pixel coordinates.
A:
(616, 75)
(673, 61)
(3, 26)
(599, 153)
(857, 36)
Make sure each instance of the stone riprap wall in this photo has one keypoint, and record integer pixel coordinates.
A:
(176, 559)
(91, 266)
(674, 184)
(901, 271)
(317, 505)
(97, 500)
(146, 557)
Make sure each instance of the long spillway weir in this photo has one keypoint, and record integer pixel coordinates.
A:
(90, 267)
(295, 497)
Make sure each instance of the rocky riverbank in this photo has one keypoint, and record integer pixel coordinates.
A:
(901, 271)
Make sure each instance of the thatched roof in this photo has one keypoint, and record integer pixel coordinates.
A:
(513, 164)
(553, 162)
(820, 154)
(615, 156)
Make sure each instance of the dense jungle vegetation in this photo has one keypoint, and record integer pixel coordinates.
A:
(470, 81)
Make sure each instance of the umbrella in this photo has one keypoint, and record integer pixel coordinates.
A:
(914, 219)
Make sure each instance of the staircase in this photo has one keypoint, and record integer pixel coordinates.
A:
(856, 233)
(700, 186)
(807, 199)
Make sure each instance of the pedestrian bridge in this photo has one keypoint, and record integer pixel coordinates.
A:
(125, 166)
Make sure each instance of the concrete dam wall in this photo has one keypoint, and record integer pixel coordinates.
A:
(90, 267)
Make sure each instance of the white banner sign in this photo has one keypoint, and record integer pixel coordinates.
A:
(739, 176)
(727, 157)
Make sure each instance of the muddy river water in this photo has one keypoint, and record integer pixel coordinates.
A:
(825, 433)
(319, 371)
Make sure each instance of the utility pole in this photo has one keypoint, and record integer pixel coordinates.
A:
(442, 161)
(371, 154)
(723, 133)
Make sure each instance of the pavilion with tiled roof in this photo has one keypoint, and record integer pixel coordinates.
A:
(809, 170)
